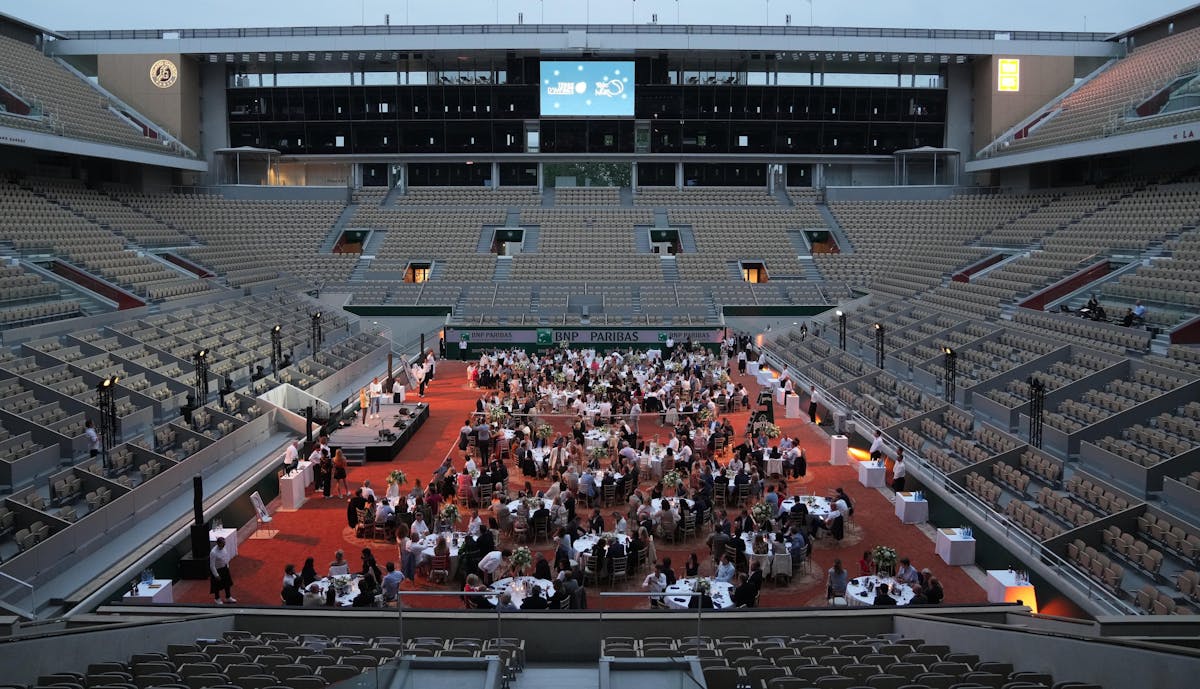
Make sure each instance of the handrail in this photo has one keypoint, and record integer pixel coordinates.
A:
(1065, 570)
(661, 29)
(31, 612)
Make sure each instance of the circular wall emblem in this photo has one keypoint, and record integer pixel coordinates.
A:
(163, 74)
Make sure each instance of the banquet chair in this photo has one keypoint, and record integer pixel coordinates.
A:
(339, 570)
(781, 569)
(608, 494)
(620, 568)
(589, 571)
(689, 526)
(439, 569)
(541, 528)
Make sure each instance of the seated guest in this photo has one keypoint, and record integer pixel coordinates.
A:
(506, 604)
(668, 572)
(313, 596)
(745, 593)
(356, 504)
(560, 595)
(703, 601)
(474, 585)
(541, 568)
(419, 528)
(390, 586)
(881, 596)
(725, 569)
(367, 590)
(865, 566)
(756, 575)
(933, 590)
(308, 574)
(907, 574)
(691, 568)
(918, 596)
(655, 582)
(535, 600)
(835, 586)
(339, 566)
(291, 595)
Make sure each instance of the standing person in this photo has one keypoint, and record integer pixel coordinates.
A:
(899, 471)
(291, 456)
(741, 358)
(376, 390)
(326, 472)
(877, 446)
(430, 365)
(363, 404)
(220, 579)
(93, 438)
(418, 374)
(814, 399)
(835, 586)
(339, 474)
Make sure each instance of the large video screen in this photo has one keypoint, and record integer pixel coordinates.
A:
(587, 89)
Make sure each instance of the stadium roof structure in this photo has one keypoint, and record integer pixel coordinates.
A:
(846, 43)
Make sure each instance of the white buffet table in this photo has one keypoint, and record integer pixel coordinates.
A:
(954, 547)
(1003, 586)
(871, 474)
(861, 590)
(291, 491)
(157, 591)
(911, 510)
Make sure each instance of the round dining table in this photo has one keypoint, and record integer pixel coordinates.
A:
(721, 593)
(861, 590)
(518, 588)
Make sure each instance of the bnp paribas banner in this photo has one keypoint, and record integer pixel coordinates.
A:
(582, 336)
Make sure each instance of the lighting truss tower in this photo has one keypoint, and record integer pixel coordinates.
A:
(950, 379)
(200, 359)
(110, 425)
(879, 338)
(1037, 408)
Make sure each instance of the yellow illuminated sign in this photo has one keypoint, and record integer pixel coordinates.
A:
(1010, 75)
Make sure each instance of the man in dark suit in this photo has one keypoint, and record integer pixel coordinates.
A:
(596, 523)
(745, 523)
(882, 598)
(745, 593)
(756, 576)
(486, 541)
(535, 601)
(615, 549)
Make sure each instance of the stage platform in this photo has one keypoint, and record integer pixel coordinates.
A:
(379, 439)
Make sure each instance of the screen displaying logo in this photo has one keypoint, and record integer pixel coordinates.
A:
(164, 74)
(587, 89)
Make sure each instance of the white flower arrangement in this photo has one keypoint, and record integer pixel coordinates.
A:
(545, 431)
(450, 514)
(762, 513)
(884, 558)
(702, 586)
(672, 479)
(771, 430)
(520, 559)
(396, 478)
(497, 414)
(600, 452)
(341, 582)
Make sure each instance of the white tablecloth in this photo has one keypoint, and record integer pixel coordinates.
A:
(230, 536)
(518, 587)
(721, 593)
(344, 600)
(871, 474)
(1003, 586)
(516, 505)
(292, 491)
(423, 549)
(817, 505)
(910, 510)
(586, 542)
(954, 547)
(656, 504)
(157, 591)
(863, 593)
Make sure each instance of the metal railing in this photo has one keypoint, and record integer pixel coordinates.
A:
(31, 613)
(653, 29)
(1032, 550)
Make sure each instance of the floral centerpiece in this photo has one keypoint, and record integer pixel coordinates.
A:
(763, 514)
(884, 559)
(519, 560)
(341, 582)
(672, 479)
(702, 585)
(560, 377)
(396, 478)
(599, 453)
(545, 431)
(449, 515)
(533, 503)
(704, 414)
(497, 414)
(771, 430)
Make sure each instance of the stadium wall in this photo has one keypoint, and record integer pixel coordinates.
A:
(1042, 79)
(176, 107)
